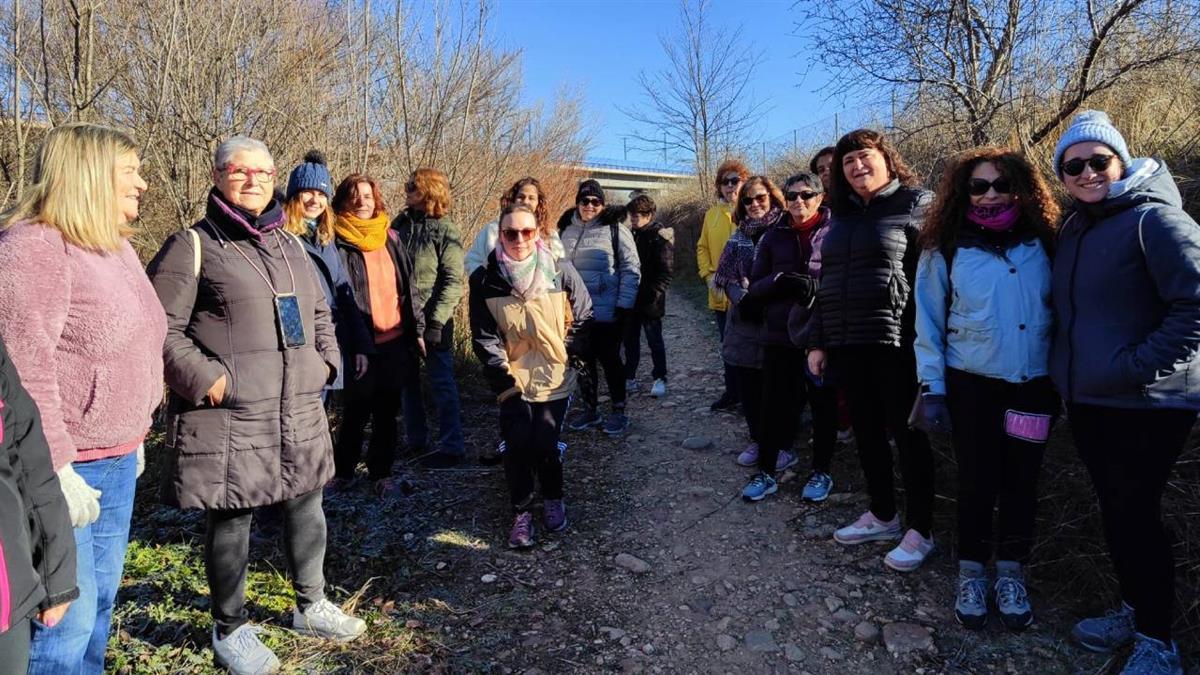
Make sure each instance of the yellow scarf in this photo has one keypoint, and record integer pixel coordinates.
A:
(364, 234)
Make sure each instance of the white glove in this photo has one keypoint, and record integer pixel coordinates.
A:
(83, 501)
(141, 460)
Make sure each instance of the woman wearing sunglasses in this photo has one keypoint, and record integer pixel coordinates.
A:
(529, 314)
(1126, 357)
(983, 343)
(714, 234)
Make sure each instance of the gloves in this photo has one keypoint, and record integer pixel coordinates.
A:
(935, 416)
(83, 501)
(796, 285)
(433, 334)
(141, 459)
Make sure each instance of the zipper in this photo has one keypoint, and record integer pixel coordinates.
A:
(5, 593)
(1071, 323)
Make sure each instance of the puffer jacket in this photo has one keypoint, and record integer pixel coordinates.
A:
(434, 245)
(268, 440)
(37, 545)
(715, 232)
(1126, 289)
(783, 249)
(611, 280)
(527, 346)
(656, 255)
(868, 267)
(353, 334)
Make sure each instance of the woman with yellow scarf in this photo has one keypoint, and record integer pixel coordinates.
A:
(380, 273)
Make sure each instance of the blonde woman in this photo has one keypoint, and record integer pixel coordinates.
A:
(89, 350)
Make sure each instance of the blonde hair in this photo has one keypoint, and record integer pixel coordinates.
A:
(74, 186)
(293, 211)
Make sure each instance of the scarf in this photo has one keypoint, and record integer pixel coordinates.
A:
(364, 234)
(310, 228)
(808, 224)
(530, 277)
(997, 218)
(738, 256)
(224, 211)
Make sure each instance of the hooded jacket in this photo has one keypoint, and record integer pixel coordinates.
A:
(656, 255)
(611, 277)
(1126, 289)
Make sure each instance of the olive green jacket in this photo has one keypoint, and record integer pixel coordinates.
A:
(435, 247)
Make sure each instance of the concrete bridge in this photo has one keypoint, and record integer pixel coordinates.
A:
(620, 178)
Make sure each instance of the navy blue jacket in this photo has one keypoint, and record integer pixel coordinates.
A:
(1126, 289)
(353, 334)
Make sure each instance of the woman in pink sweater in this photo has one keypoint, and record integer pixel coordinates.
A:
(85, 330)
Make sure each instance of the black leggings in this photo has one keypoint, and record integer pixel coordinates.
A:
(749, 382)
(531, 432)
(652, 327)
(786, 388)
(227, 553)
(605, 348)
(881, 384)
(375, 398)
(994, 466)
(1129, 454)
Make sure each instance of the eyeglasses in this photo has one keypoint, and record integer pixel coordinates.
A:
(1098, 163)
(978, 187)
(805, 195)
(243, 174)
(519, 234)
(589, 201)
(761, 198)
(410, 186)
(732, 180)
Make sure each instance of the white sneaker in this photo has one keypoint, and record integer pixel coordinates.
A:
(868, 528)
(659, 388)
(326, 620)
(911, 552)
(632, 386)
(242, 653)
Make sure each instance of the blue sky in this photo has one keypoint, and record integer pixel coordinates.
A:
(597, 47)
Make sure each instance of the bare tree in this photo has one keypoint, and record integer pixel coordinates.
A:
(698, 106)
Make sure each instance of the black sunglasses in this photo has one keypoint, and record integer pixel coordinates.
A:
(514, 235)
(979, 187)
(805, 195)
(589, 201)
(731, 181)
(761, 198)
(410, 186)
(1098, 163)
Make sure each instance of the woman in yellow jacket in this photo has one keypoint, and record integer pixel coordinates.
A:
(718, 227)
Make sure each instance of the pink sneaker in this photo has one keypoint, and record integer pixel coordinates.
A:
(868, 528)
(911, 552)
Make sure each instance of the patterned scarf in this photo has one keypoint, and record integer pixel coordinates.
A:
(366, 235)
(530, 277)
(221, 209)
(738, 256)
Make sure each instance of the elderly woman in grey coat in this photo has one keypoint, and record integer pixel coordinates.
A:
(250, 346)
(605, 255)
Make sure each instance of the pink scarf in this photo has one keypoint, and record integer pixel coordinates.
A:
(998, 218)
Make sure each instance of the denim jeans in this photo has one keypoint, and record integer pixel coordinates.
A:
(439, 364)
(77, 643)
(634, 327)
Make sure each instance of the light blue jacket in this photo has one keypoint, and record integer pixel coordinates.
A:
(1000, 322)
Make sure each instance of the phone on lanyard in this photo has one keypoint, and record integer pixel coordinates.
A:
(291, 324)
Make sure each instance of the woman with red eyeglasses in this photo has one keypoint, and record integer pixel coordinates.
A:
(984, 325)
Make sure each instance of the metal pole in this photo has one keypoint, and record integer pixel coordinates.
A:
(837, 132)
(764, 157)
(795, 141)
(625, 144)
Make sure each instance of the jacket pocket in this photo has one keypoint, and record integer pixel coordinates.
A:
(203, 431)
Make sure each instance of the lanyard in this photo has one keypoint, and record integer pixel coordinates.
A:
(262, 274)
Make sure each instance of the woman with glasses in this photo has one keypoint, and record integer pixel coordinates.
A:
(1126, 357)
(714, 233)
(783, 280)
(527, 191)
(529, 313)
(249, 350)
(984, 325)
(862, 326)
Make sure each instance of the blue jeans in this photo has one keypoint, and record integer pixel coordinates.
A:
(77, 643)
(439, 364)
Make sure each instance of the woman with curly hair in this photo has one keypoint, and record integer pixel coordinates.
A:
(714, 234)
(529, 192)
(984, 325)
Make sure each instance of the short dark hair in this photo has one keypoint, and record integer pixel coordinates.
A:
(641, 204)
(827, 150)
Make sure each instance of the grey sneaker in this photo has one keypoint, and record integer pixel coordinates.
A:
(586, 418)
(242, 653)
(1012, 600)
(971, 608)
(324, 619)
(1153, 657)
(615, 423)
(1104, 634)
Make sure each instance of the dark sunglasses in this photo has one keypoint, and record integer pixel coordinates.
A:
(410, 186)
(1098, 163)
(979, 187)
(761, 199)
(731, 181)
(514, 235)
(805, 195)
(589, 201)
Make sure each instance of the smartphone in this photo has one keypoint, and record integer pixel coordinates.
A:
(291, 325)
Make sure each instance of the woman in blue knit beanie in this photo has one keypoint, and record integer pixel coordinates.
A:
(1126, 358)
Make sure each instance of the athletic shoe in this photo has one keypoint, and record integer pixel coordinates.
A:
(971, 608)
(554, 515)
(845, 436)
(632, 386)
(324, 619)
(868, 528)
(1153, 657)
(1106, 633)
(817, 488)
(615, 423)
(759, 487)
(521, 534)
(726, 402)
(659, 388)
(242, 653)
(911, 552)
(1012, 599)
(493, 457)
(586, 418)
(749, 456)
(785, 460)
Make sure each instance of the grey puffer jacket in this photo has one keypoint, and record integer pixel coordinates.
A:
(612, 281)
(268, 440)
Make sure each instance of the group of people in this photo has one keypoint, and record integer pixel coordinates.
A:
(981, 312)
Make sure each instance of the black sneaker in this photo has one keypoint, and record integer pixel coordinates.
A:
(726, 402)
(586, 418)
(494, 456)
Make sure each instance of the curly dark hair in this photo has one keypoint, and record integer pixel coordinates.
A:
(1039, 209)
(863, 139)
(727, 166)
(542, 212)
(775, 198)
(812, 163)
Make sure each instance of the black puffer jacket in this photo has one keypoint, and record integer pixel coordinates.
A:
(868, 268)
(36, 542)
(656, 251)
(784, 249)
